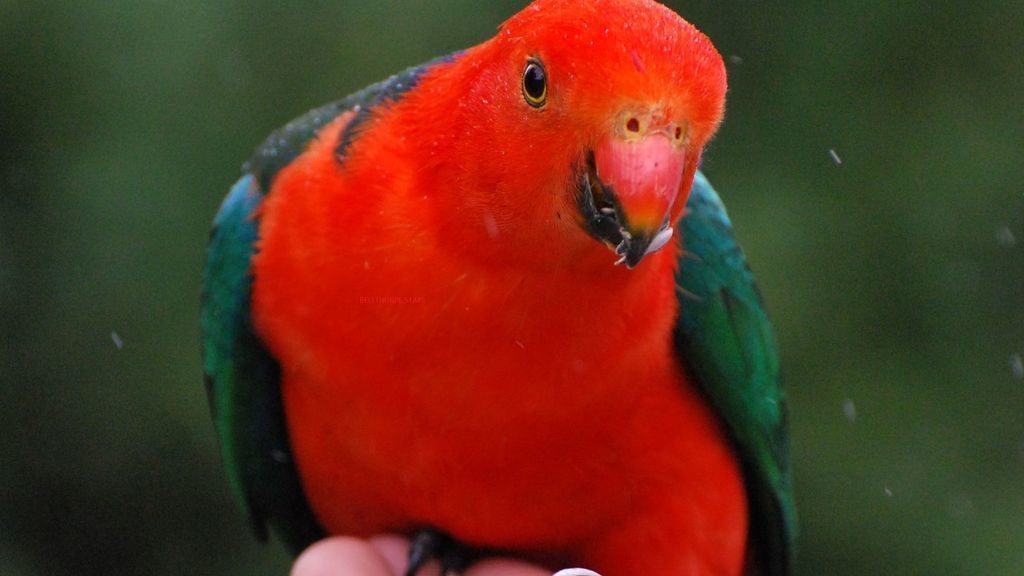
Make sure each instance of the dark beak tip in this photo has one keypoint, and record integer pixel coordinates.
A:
(637, 250)
(604, 220)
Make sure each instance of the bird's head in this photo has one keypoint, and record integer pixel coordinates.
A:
(589, 118)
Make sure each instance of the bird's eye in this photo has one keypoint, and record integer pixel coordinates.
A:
(535, 83)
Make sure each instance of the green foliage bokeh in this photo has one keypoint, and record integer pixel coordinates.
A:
(894, 278)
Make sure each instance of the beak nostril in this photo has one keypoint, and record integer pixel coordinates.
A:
(679, 132)
(633, 125)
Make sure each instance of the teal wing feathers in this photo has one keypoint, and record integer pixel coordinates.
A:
(726, 341)
(242, 378)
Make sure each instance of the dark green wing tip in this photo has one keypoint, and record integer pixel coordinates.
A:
(726, 340)
(241, 376)
(242, 381)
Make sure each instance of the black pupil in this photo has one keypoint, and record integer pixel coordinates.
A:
(533, 81)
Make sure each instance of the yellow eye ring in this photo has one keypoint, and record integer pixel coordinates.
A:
(535, 83)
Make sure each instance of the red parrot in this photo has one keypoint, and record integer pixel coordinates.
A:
(456, 304)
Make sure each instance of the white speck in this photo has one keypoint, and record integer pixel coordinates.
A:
(117, 340)
(660, 239)
(520, 344)
(850, 410)
(888, 491)
(279, 456)
(734, 59)
(491, 225)
(835, 157)
(1017, 365)
(1005, 237)
(485, 101)
(576, 572)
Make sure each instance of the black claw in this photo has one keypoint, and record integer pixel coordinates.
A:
(424, 547)
(430, 543)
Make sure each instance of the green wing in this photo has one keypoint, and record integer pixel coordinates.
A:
(726, 341)
(242, 378)
(242, 381)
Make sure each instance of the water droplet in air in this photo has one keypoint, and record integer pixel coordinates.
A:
(1017, 365)
(850, 410)
(1005, 237)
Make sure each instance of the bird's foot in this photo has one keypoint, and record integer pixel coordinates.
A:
(430, 543)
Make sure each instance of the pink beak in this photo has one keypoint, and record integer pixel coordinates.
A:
(645, 174)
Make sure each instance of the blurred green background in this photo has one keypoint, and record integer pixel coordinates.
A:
(895, 278)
